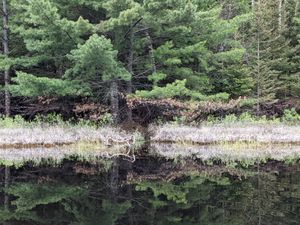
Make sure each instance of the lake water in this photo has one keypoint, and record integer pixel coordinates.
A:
(152, 191)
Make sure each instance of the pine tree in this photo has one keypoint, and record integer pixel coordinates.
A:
(48, 36)
(5, 41)
(291, 33)
(95, 65)
(228, 70)
(267, 41)
(122, 20)
(177, 53)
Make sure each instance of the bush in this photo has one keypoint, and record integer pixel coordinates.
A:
(232, 118)
(248, 102)
(246, 117)
(50, 119)
(13, 122)
(290, 116)
(179, 120)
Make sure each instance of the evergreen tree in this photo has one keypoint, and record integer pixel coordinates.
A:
(266, 41)
(221, 27)
(95, 65)
(5, 42)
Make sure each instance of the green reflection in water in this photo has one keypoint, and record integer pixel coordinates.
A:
(150, 192)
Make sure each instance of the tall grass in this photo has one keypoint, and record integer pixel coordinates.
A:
(216, 133)
(289, 117)
(246, 155)
(53, 130)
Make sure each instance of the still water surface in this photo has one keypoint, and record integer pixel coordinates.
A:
(150, 191)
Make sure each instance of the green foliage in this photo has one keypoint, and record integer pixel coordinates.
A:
(291, 116)
(188, 49)
(106, 119)
(51, 119)
(248, 102)
(96, 59)
(220, 97)
(176, 89)
(31, 86)
(248, 118)
(13, 122)
(95, 62)
(30, 195)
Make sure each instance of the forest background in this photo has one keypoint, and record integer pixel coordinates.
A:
(145, 59)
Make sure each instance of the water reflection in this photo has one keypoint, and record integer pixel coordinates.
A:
(150, 192)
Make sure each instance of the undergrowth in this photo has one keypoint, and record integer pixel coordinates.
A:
(53, 119)
(290, 117)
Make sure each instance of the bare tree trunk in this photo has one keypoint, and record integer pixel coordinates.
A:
(258, 75)
(114, 100)
(130, 69)
(6, 52)
(114, 180)
(297, 8)
(259, 195)
(280, 14)
(154, 70)
(6, 185)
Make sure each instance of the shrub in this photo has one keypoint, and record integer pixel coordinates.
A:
(230, 118)
(179, 120)
(246, 117)
(50, 119)
(13, 122)
(290, 116)
(106, 119)
(248, 102)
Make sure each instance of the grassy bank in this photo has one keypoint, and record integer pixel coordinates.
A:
(50, 136)
(248, 154)
(51, 130)
(218, 133)
(231, 129)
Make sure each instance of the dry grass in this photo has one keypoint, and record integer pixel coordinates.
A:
(228, 153)
(266, 133)
(55, 155)
(52, 136)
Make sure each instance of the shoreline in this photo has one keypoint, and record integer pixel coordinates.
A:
(265, 134)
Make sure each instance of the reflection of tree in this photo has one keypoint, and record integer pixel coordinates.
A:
(59, 203)
(200, 198)
(87, 211)
(184, 203)
(32, 200)
(260, 199)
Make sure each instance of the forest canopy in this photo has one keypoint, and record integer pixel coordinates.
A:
(184, 49)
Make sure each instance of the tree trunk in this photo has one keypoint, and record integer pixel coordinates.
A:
(114, 180)
(6, 52)
(114, 101)
(154, 70)
(258, 75)
(130, 70)
(280, 14)
(6, 185)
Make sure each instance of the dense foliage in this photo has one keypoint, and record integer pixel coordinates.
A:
(214, 195)
(185, 49)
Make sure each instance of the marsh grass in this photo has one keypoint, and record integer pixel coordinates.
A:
(55, 136)
(228, 133)
(82, 151)
(230, 155)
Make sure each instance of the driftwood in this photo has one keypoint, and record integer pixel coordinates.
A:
(143, 111)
